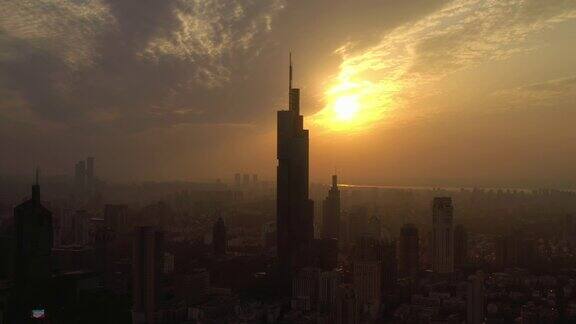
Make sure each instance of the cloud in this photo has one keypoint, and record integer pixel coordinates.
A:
(91, 63)
(459, 35)
(541, 94)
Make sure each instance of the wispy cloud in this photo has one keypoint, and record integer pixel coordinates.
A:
(541, 94)
(461, 34)
(101, 61)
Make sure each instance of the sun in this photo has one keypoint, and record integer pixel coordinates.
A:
(346, 107)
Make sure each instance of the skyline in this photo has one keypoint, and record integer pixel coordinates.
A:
(495, 110)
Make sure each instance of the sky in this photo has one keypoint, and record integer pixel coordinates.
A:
(415, 92)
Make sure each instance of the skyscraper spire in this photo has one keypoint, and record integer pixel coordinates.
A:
(290, 77)
(36, 186)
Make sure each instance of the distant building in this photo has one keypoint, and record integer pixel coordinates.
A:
(246, 180)
(80, 177)
(147, 264)
(34, 239)
(331, 212)
(90, 180)
(219, 240)
(116, 217)
(294, 209)
(33, 255)
(460, 246)
(475, 299)
(305, 286)
(237, 180)
(367, 281)
(442, 235)
(329, 281)
(409, 251)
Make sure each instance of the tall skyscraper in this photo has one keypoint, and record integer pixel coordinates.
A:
(34, 239)
(147, 264)
(331, 212)
(475, 299)
(116, 217)
(367, 281)
(294, 210)
(408, 251)
(90, 173)
(219, 237)
(80, 176)
(460, 246)
(33, 256)
(442, 235)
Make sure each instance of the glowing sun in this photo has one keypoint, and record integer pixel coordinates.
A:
(346, 107)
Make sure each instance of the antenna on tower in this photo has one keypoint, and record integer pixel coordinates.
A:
(37, 176)
(290, 78)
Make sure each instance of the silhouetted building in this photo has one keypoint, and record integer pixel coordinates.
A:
(219, 240)
(475, 299)
(146, 271)
(442, 235)
(324, 253)
(90, 181)
(357, 223)
(294, 210)
(409, 251)
(116, 217)
(245, 180)
(33, 259)
(460, 246)
(80, 177)
(331, 212)
(367, 281)
(237, 180)
(34, 239)
(329, 281)
(305, 286)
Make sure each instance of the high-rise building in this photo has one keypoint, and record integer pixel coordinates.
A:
(246, 180)
(460, 246)
(80, 177)
(329, 281)
(368, 248)
(367, 281)
(90, 181)
(147, 265)
(33, 256)
(442, 235)
(306, 284)
(294, 209)
(475, 299)
(331, 212)
(219, 241)
(116, 217)
(34, 239)
(237, 180)
(357, 223)
(409, 251)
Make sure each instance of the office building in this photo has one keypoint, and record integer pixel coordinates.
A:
(147, 266)
(442, 235)
(408, 251)
(331, 212)
(294, 210)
